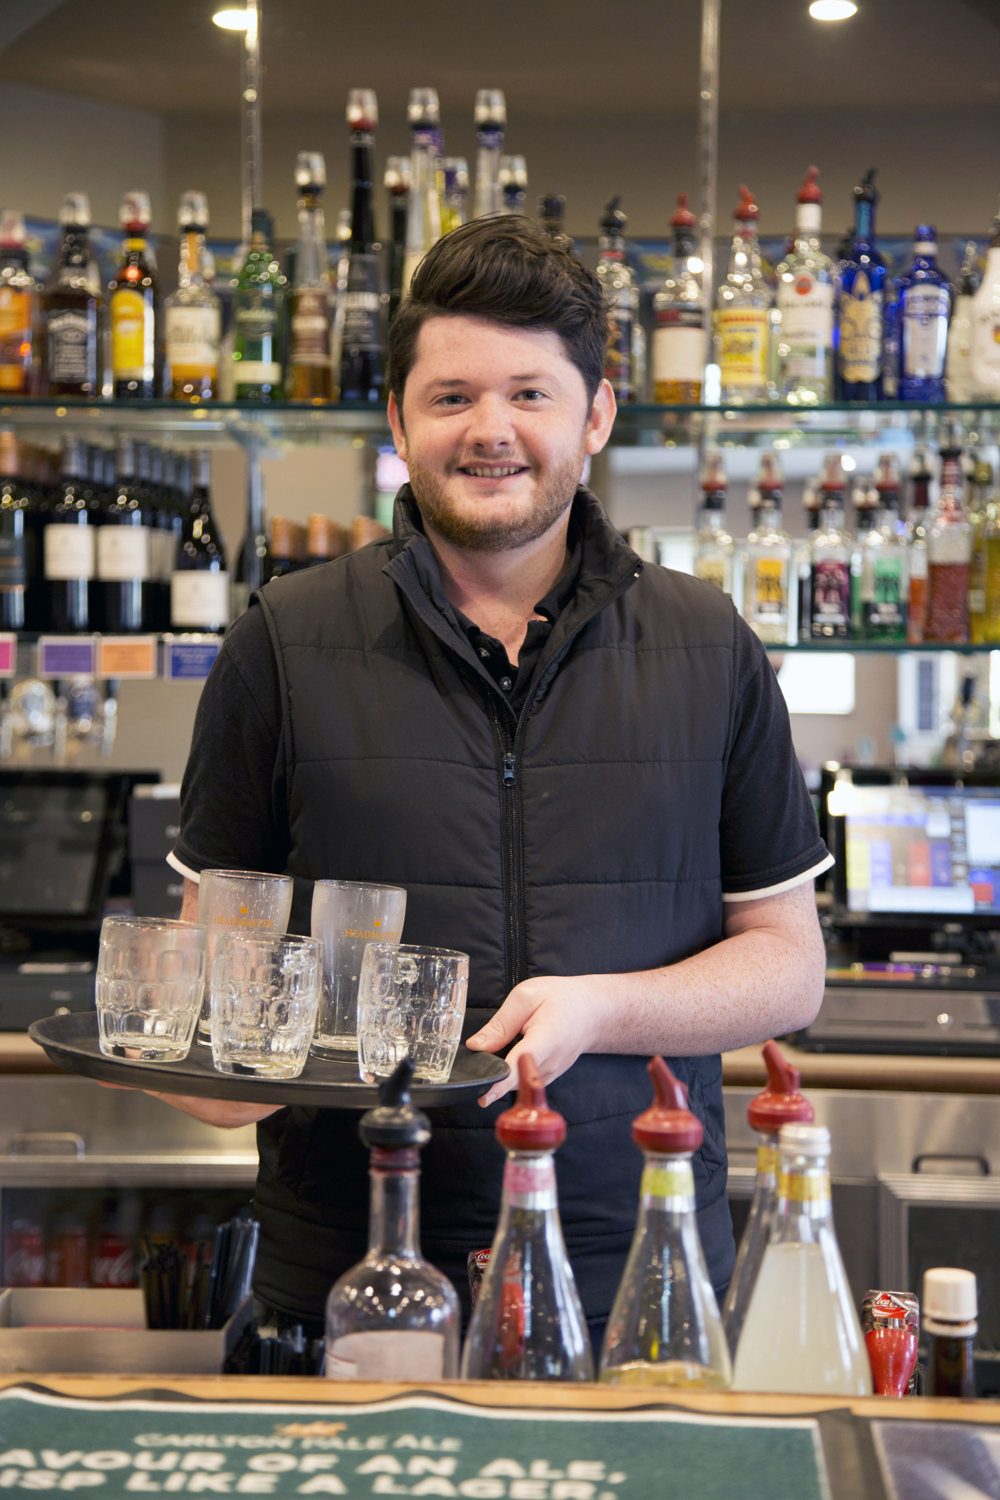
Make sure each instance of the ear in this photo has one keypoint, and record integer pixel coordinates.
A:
(601, 417)
(396, 426)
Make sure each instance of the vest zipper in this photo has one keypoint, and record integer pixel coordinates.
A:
(513, 868)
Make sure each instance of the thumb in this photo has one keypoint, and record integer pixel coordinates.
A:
(503, 1026)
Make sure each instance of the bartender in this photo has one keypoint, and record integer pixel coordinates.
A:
(579, 767)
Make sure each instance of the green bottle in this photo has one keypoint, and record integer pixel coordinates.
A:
(258, 318)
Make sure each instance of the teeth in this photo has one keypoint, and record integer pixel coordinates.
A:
(480, 471)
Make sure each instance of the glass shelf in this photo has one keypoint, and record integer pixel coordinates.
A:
(880, 648)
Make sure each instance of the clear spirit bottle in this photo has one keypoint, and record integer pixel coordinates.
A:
(984, 579)
(830, 605)
(191, 314)
(924, 308)
(714, 547)
(310, 373)
(985, 358)
(742, 320)
(780, 1103)
(423, 222)
(258, 317)
(621, 296)
(490, 120)
(768, 559)
(679, 322)
(393, 1316)
(958, 359)
(916, 545)
(552, 215)
(802, 1333)
(513, 176)
(884, 573)
(949, 553)
(455, 200)
(664, 1328)
(804, 302)
(861, 291)
(527, 1322)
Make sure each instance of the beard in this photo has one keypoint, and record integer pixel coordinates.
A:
(486, 530)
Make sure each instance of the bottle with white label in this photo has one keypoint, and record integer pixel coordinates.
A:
(985, 355)
(125, 583)
(199, 583)
(393, 1316)
(678, 354)
(742, 317)
(958, 358)
(69, 552)
(191, 313)
(258, 318)
(804, 301)
(924, 308)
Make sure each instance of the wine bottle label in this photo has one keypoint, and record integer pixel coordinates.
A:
(925, 331)
(403, 1354)
(15, 338)
(743, 346)
(68, 552)
(13, 562)
(859, 354)
(192, 338)
(199, 599)
(123, 553)
(311, 328)
(133, 355)
(71, 346)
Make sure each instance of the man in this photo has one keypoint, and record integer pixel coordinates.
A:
(579, 768)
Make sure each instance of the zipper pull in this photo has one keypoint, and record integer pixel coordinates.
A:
(508, 769)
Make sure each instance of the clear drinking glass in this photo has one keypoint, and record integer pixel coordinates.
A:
(265, 992)
(150, 982)
(411, 1002)
(239, 901)
(347, 915)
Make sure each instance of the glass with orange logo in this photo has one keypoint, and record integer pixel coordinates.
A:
(241, 901)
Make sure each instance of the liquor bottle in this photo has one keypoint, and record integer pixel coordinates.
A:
(950, 1322)
(621, 297)
(804, 302)
(768, 559)
(801, 1333)
(802, 562)
(134, 307)
(714, 547)
(949, 552)
(423, 221)
(924, 306)
(17, 536)
(125, 582)
(361, 354)
(199, 583)
(678, 355)
(664, 1328)
(780, 1103)
(958, 359)
(393, 1316)
(191, 315)
(18, 308)
(552, 215)
(455, 198)
(310, 375)
(984, 575)
(884, 573)
(69, 551)
(491, 121)
(258, 312)
(527, 1322)
(830, 563)
(985, 357)
(397, 183)
(861, 277)
(513, 176)
(70, 310)
(916, 545)
(742, 308)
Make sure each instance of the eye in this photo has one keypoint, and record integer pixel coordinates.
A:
(450, 398)
(530, 395)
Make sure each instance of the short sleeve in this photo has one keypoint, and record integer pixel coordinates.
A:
(769, 833)
(233, 812)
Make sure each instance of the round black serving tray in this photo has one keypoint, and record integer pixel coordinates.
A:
(70, 1041)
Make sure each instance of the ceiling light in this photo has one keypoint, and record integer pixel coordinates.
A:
(231, 19)
(832, 10)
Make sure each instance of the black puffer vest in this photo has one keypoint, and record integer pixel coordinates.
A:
(581, 837)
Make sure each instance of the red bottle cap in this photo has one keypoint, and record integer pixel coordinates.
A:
(668, 1126)
(747, 208)
(529, 1125)
(683, 218)
(809, 192)
(780, 1103)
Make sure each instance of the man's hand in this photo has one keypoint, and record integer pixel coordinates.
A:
(556, 1019)
(228, 1114)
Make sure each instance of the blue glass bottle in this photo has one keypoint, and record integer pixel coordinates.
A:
(861, 277)
(924, 309)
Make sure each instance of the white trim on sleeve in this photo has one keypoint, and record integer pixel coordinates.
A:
(783, 885)
(175, 864)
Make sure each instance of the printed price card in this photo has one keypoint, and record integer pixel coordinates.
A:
(66, 655)
(8, 654)
(190, 657)
(126, 656)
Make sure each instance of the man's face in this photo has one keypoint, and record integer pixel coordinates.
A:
(494, 427)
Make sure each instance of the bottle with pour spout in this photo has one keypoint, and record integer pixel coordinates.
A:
(780, 1103)
(528, 1322)
(664, 1327)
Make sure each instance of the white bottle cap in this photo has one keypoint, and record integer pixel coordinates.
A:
(805, 1140)
(949, 1301)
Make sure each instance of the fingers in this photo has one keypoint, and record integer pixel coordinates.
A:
(504, 1085)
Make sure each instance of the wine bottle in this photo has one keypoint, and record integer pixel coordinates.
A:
(258, 312)
(69, 547)
(18, 307)
(134, 307)
(125, 583)
(199, 583)
(70, 310)
(17, 536)
(192, 318)
(361, 351)
(310, 375)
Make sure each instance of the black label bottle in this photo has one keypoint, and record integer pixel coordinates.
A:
(361, 354)
(69, 361)
(69, 555)
(125, 551)
(199, 584)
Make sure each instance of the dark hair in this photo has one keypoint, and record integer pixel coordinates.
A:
(508, 269)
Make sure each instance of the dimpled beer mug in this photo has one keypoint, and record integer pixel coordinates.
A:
(150, 981)
(411, 1002)
(239, 901)
(347, 915)
(265, 990)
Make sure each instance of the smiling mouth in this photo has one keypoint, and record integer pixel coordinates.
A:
(492, 471)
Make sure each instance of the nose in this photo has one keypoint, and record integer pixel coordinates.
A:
(491, 425)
